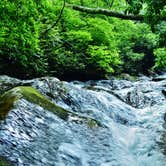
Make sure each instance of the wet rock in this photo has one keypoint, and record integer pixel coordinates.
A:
(165, 117)
(164, 92)
(142, 94)
(159, 78)
(111, 84)
(7, 83)
(164, 124)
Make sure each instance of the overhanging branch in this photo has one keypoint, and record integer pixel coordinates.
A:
(109, 13)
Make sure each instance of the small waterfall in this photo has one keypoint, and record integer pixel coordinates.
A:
(130, 113)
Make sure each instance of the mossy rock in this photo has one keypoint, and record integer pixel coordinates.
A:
(125, 76)
(32, 95)
(8, 99)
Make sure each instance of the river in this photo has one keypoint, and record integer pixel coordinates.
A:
(130, 113)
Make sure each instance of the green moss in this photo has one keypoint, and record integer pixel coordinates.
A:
(90, 122)
(93, 123)
(36, 97)
(7, 101)
(125, 76)
(5, 162)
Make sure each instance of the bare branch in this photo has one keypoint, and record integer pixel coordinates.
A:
(58, 19)
(110, 13)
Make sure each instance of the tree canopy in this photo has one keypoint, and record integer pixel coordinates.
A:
(52, 37)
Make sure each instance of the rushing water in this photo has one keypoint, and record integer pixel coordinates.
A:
(131, 132)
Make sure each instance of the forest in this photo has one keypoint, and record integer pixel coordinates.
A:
(82, 39)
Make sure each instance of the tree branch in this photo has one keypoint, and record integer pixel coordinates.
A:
(58, 19)
(109, 13)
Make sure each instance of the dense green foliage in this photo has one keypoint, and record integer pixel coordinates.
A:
(19, 36)
(81, 46)
(160, 55)
(151, 8)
